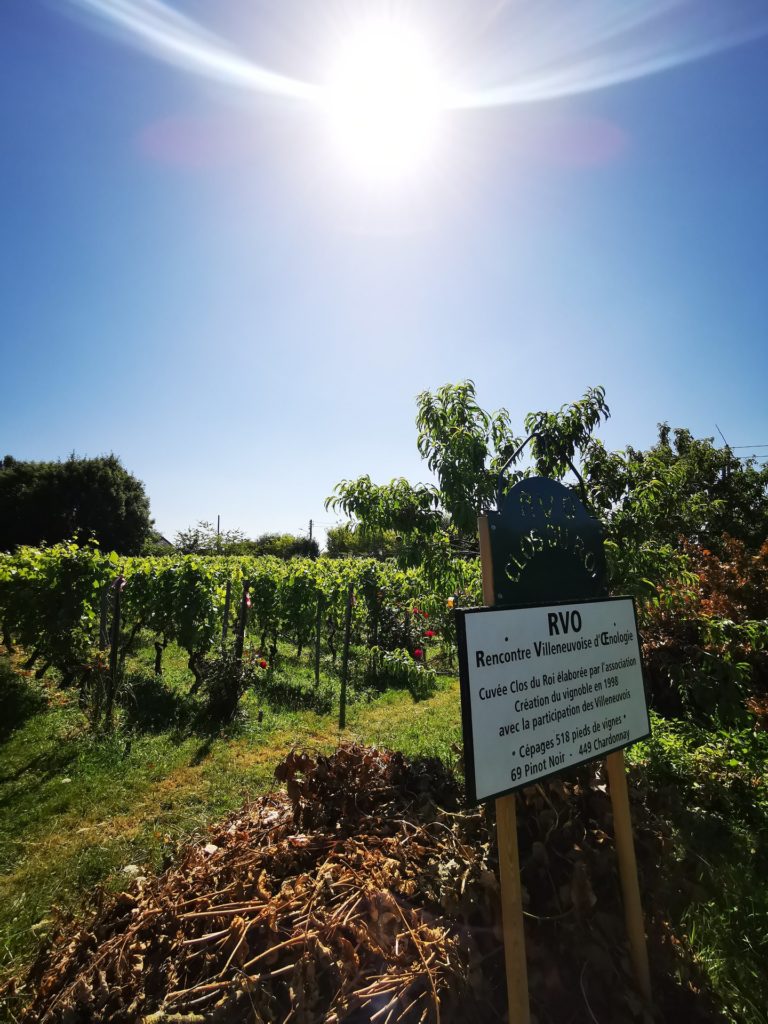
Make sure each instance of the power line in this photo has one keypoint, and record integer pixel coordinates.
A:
(733, 447)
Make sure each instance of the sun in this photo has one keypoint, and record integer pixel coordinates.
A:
(384, 101)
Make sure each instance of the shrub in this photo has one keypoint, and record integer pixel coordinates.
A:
(224, 681)
(398, 670)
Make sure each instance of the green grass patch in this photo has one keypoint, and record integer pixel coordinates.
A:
(76, 808)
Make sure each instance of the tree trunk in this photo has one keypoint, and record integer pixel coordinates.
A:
(195, 667)
(31, 659)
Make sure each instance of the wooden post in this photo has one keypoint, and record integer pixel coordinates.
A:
(225, 624)
(509, 858)
(103, 618)
(240, 635)
(630, 888)
(318, 633)
(345, 658)
(115, 639)
(113, 659)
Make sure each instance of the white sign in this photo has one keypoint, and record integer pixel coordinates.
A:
(546, 688)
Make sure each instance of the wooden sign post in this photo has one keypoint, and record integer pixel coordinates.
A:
(550, 678)
(509, 856)
(630, 887)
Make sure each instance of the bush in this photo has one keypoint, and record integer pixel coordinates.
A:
(351, 540)
(224, 681)
(283, 545)
(398, 670)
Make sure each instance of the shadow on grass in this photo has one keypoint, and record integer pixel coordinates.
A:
(20, 699)
(47, 765)
(281, 694)
(150, 706)
(202, 752)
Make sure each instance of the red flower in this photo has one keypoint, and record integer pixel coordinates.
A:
(425, 614)
(429, 634)
(262, 663)
(247, 600)
(418, 652)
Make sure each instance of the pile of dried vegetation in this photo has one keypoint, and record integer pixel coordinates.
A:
(364, 893)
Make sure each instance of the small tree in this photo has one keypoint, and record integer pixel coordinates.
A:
(466, 448)
(203, 539)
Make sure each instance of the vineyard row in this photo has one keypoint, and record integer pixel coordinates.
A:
(57, 602)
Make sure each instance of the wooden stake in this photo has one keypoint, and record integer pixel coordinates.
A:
(104, 617)
(113, 654)
(509, 858)
(318, 634)
(241, 622)
(345, 658)
(630, 888)
(225, 623)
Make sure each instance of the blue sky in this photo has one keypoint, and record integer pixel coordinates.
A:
(189, 280)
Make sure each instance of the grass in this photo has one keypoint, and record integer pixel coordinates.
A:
(75, 808)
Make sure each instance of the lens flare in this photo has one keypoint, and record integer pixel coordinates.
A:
(382, 96)
(159, 30)
(535, 50)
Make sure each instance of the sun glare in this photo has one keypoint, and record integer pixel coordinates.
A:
(383, 99)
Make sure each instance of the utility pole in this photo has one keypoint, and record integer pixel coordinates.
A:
(727, 470)
(310, 531)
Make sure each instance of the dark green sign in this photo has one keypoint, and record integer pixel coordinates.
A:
(545, 546)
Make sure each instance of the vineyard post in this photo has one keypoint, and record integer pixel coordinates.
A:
(103, 618)
(318, 629)
(345, 657)
(225, 624)
(113, 654)
(509, 855)
(240, 635)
